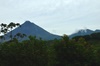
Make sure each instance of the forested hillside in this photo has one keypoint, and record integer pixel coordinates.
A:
(58, 52)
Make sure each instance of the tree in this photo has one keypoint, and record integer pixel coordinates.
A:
(20, 35)
(7, 28)
(3, 30)
(11, 26)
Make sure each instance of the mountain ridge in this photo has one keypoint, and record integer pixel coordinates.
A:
(83, 32)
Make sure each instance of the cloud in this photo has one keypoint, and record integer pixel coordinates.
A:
(57, 13)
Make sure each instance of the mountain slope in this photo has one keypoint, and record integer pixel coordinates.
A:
(83, 32)
(30, 28)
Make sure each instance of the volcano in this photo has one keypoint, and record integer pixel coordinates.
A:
(29, 28)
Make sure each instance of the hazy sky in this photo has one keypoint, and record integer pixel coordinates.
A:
(56, 16)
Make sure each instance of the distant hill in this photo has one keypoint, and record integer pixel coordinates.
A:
(91, 37)
(32, 29)
(83, 32)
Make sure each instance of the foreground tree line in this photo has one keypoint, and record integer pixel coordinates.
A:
(58, 52)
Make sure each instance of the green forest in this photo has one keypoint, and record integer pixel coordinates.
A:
(78, 51)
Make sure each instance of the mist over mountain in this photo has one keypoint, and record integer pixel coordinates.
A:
(32, 29)
(83, 32)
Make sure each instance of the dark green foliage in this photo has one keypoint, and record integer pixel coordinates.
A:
(38, 52)
(27, 53)
(94, 36)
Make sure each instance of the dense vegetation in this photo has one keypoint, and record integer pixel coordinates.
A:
(79, 51)
(58, 52)
(93, 36)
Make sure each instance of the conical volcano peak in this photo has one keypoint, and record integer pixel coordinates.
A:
(29, 28)
(28, 22)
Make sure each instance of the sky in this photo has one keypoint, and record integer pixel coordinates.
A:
(56, 16)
